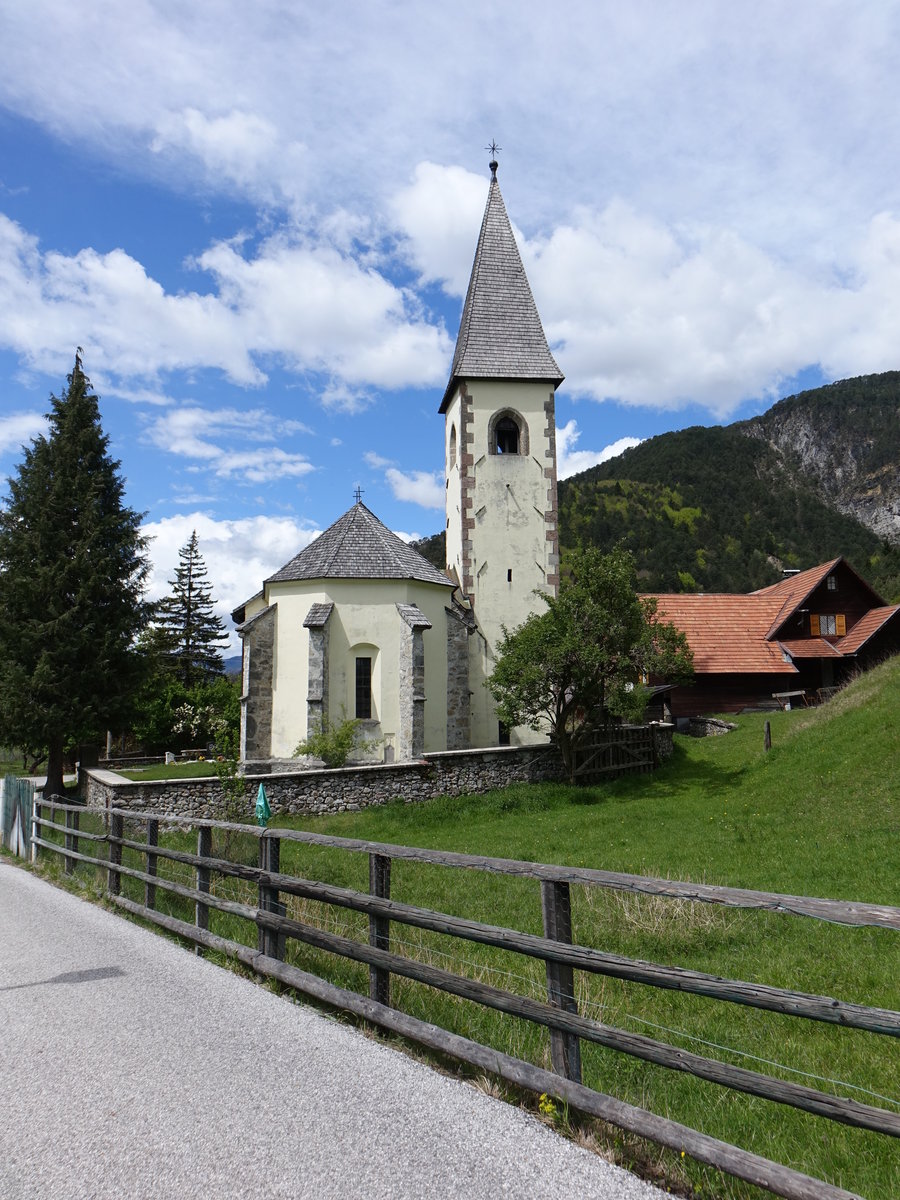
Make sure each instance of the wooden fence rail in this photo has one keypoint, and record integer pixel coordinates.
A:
(559, 1013)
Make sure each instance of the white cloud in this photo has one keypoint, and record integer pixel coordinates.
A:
(242, 148)
(417, 487)
(194, 432)
(238, 554)
(748, 248)
(759, 99)
(17, 429)
(648, 315)
(311, 307)
(438, 213)
(570, 461)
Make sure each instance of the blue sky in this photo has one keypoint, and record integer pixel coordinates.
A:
(259, 221)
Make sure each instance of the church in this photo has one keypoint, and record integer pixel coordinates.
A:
(359, 624)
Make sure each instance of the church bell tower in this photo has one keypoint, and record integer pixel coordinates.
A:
(500, 450)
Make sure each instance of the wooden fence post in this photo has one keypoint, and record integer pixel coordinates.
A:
(72, 819)
(269, 941)
(152, 862)
(380, 927)
(36, 826)
(204, 850)
(116, 828)
(767, 736)
(565, 1048)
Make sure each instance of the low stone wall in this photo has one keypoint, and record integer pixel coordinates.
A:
(709, 727)
(454, 772)
(312, 792)
(663, 737)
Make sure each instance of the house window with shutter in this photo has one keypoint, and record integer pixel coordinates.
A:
(827, 624)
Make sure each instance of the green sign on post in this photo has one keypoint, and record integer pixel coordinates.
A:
(263, 812)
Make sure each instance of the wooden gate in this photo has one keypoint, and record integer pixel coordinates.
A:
(615, 750)
(16, 798)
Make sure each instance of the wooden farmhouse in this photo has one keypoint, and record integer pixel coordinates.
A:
(788, 644)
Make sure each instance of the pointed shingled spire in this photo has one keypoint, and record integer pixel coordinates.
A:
(500, 334)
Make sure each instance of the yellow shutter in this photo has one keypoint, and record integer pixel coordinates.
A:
(814, 624)
(840, 624)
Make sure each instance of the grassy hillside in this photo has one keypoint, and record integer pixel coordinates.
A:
(818, 815)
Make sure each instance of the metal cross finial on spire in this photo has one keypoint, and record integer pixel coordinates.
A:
(494, 151)
(357, 494)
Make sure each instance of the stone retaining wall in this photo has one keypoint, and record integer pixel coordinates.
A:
(455, 772)
(451, 773)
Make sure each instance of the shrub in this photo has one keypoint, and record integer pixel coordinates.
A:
(334, 743)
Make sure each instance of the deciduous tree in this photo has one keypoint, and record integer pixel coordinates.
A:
(72, 570)
(584, 657)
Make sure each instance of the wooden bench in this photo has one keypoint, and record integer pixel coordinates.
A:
(785, 698)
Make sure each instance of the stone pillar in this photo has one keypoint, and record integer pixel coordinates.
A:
(258, 637)
(460, 623)
(411, 738)
(317, 687)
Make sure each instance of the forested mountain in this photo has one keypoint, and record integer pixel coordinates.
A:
(725, 508)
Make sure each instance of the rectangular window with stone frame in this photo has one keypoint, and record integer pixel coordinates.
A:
(364, 689)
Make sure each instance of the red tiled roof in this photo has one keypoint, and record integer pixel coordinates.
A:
(809, 648)
(867, 627)
(727, 633)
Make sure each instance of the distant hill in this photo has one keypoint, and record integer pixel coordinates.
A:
(726, 508)
(434, 548)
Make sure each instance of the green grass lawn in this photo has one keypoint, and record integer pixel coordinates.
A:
(184, 770)
(818, 815)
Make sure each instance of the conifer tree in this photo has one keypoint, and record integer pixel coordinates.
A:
(72, 572)
(188, 632)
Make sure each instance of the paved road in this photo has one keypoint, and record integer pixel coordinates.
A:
(129, 1067)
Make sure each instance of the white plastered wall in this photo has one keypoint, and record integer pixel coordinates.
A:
(364, 621)
(510, 549)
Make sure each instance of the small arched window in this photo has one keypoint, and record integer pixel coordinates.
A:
(452, 458)
(507, 433)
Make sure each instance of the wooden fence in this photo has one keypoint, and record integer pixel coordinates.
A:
(555, 949)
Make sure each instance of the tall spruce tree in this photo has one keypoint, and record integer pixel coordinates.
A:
(72, 572)
(188, 633)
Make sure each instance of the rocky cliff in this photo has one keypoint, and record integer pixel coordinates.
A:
(844, 438)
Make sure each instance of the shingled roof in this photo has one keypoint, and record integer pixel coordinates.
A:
(500, 335)
(358, 546)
